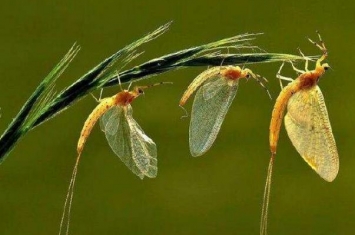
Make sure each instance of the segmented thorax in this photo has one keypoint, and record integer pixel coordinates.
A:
(232, 73)
(309, 79)
(125, 97)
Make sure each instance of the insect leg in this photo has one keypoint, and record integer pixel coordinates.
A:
(296, 69)
(224, 58)
(186, 113)
(119, 80)
(101, 94)
(306, 63)
(280, 77)
(96, 99)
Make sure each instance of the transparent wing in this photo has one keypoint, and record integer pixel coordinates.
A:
(144, 150)
(309, 129)
(208, 111)
(136, 150)
(212, 88)
(109, 122)
(198, 81)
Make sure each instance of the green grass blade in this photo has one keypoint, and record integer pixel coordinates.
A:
(24, 119)
(41, 106)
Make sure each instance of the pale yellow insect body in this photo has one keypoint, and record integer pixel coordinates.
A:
(217, 87)
(307, 125)
(123, 98)
(307, 122)
(105, 104)
(231, 73)
(124, 135)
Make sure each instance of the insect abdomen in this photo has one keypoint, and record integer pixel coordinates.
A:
(278, 113)
(100, 109)
(198, 81)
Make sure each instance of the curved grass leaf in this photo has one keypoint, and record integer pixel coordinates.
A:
(42, 106)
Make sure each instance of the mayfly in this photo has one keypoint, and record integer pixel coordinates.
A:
(125, 137)
(307, 125)
(217, 89)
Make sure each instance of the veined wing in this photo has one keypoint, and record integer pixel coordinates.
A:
(208, 111)
(309, 129)
(212, 88)
(144, 150)
(136, 150)
(210, 73)
(109, 122)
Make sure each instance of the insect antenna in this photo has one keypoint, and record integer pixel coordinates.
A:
(152, 85)
(320, 45)
(139, 90)
(259, 79)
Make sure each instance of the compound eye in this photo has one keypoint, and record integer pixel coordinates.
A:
(326, 66)
(248, 75)
(140, 91)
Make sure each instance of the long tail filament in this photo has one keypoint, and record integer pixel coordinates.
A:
(69, 199)
(266, 198)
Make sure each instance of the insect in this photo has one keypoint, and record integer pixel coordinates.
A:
(307, 125)
(125, 137)
(217, 88)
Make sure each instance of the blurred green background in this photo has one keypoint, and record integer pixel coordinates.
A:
(219, 193)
